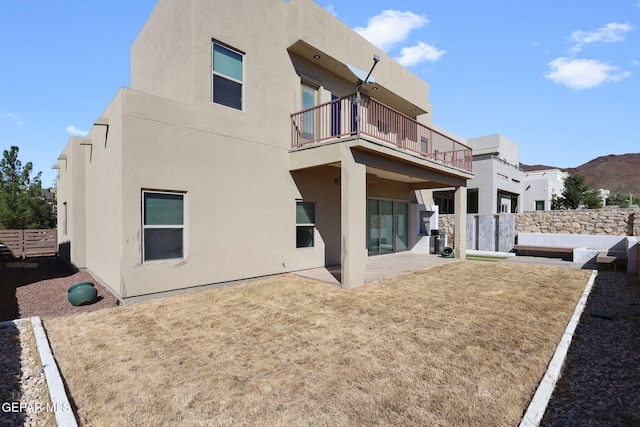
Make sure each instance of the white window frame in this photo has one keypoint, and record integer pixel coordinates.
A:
(224, 76)
(306, 225)
(170, 226)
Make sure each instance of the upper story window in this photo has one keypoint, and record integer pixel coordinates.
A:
(228, 76)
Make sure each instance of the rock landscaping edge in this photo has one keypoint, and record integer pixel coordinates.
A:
(57, 393)
(538, 405)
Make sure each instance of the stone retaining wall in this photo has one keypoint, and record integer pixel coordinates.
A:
(610, 221)
(446, 223)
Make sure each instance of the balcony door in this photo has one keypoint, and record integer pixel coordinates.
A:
(309, 100)
(387, 226)
(336, 119)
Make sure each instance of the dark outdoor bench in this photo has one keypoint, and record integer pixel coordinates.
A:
(610, 258)
(551, 249)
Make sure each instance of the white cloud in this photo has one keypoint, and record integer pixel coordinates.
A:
(76, 132)
(14, 118)
(583, 73)
(391, 27)
(609, 33)
(332, 9)
(419, 53)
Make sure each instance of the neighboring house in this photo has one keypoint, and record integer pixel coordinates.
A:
(604, 196)
(540, 187)
(49, 196)
(497, 185)
(241, 151)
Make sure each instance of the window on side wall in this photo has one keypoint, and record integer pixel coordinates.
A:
(445, 201)
(472, 201)
(539, 205)
(162, 225)
(228, 76)
(305, 224)
(64, 218)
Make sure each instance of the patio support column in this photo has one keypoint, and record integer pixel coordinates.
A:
(353, 213)
(460, 221)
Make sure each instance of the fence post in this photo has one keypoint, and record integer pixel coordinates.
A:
(22, 248)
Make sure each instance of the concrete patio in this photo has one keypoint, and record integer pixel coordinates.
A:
(380, 266)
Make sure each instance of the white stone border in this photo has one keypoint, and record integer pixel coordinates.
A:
(63, 411)
(538, 405)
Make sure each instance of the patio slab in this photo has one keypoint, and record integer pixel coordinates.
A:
(380, 267)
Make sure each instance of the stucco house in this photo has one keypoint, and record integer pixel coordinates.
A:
(500, 185)
(497, 183)
(241, 150)
(540, 187)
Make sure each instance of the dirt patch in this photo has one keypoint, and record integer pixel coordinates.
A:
(38, 287)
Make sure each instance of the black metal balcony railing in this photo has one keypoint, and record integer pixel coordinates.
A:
(339, 118)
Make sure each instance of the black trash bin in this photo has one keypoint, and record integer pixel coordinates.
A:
(436, 241)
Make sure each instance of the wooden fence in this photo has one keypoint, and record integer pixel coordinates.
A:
(25, 243)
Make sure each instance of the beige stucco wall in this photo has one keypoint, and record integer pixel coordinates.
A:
(322, 32)
(234, 167)
(235, 158)
(104, 184)
(90, 183)
(240, 198)
(71, 203)
(321, 185)
(171, 57)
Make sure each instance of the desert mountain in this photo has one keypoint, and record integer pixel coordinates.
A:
(616, 173)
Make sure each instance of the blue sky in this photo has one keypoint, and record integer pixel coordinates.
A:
(560, 79)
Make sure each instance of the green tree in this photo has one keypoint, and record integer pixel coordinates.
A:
(577, 193)
(592, 200)
(22, 204)
(622, 200)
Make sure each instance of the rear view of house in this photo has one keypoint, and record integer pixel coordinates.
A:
(242, 149)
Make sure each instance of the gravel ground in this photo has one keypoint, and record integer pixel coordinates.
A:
(600, 383)
(33, 287)
(38, 287)
(22, 379)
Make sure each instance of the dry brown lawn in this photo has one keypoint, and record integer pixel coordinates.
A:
(463, 344)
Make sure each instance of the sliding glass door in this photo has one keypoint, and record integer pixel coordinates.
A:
(402, 226)
(387, 226)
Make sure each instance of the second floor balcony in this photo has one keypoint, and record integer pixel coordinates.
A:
(368, 118)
